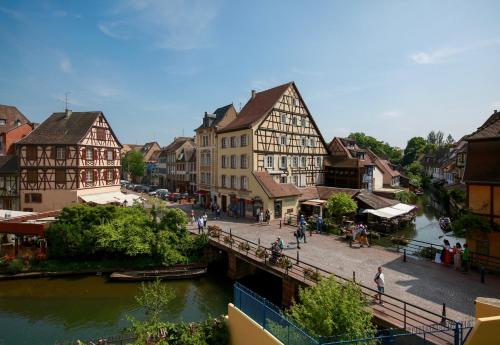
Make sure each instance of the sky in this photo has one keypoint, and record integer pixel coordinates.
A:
(391, 69)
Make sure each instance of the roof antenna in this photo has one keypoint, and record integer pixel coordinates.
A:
(66, 100)
(240, 106)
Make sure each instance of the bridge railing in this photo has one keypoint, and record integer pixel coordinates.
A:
(405, 314)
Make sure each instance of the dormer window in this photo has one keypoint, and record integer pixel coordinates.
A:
(3, 122)
(361, 155)
(17, 123)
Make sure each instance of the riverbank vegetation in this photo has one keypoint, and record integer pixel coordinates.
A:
(88, 237)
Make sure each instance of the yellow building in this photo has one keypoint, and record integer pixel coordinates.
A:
(482, 177)
(206, 153)
(271, 148)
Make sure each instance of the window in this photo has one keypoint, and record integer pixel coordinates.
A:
(32, 176)
(233, 162)
(101, 134)
(295, 180)
(284, 140)
(283, 179)
(269, 161)
(312, 142)
(233, 182)
(2, 182)
(208, 158)
(233, 141)
(3, 122)
(243, 161)
(303, 142)
(110, 155)
(204, 140)
(223, 142)
(89, 154)
(224, 161)
(303, 122)
(244, 182)
(244, 141)
(294, 121)
(33, 197)
(283, 162)
(295, 161)
(318, 161)
(223, 181)
(60, 175)
(109, 175)
(303, 162)
(31, 153)
(89, 176)
(283, 119)
(60, 153)
(296, 102)
(17, 123)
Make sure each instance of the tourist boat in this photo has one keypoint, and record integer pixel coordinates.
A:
(445, 223)
(170, 273)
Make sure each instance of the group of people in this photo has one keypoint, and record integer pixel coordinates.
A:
(215, 209)
(360, 232)
(458, 256)
(276, 249)
(263, 217)
(201, 222)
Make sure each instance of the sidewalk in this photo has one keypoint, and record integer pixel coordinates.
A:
(417, 281)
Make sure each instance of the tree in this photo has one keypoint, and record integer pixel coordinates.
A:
(431, 137)
(450, 140)
(414, 147)
(133, 164)
(415, 168)
(154, 297)
(340, 205)
(468, 223)
(333, 309)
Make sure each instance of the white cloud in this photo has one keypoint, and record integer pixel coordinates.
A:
(441, 55)
(391, 114)
(65, 65)
(173, 25)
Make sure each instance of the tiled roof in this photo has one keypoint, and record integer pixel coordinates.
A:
(324, 192)
(10, 114)
(9, 164)
(374, 201)
(216, 117)
(489, 129)
(62, 129)
(274, 189)
(256, 108)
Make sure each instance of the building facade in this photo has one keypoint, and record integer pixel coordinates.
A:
(69, 156)
(172, 161)
(9, 183)
(271, 148)
(206, 153)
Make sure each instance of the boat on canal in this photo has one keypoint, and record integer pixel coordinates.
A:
(169, 273)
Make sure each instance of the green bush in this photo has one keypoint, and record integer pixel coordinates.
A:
(467, 223)
(15, 266)
(457, 195)
(406, 197)
(340, 205)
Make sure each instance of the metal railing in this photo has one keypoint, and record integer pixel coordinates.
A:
(273, 320)
(399, 312)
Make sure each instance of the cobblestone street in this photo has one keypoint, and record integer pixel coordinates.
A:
(417, 281)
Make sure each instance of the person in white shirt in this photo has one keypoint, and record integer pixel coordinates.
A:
(379, 280)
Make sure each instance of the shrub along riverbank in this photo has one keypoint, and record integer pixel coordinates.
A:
(110, 237)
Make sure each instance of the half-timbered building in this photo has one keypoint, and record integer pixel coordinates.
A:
(9, 183)
(67, 159)
(271, 148)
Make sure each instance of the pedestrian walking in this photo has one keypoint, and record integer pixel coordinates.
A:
(319, 224)
(466, 258)
(261, 217)
(380, 282)
(200, 225)
(217, 213)
(457, 256)
(205, 219)
(303, 225)
(268, 216)
(193, 219)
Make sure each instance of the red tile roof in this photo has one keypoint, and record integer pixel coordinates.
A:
(256, 108)
(489, 129)
(272, 188)
(11, 114)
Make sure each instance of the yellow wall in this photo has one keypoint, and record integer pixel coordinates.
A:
(487, 324)
(245, 331)
(496, 201)
(493, 239)
(479, 199)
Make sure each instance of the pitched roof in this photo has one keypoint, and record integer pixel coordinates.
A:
(215, 118)
(256, 108)
(10, 114)
(9, 164)
(147, 146)
(324, 192)
(489, 129)
(375, 201)
(62, 129)
(272, 188)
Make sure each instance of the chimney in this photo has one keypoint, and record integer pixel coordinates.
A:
(253, 94)
(495, 111)
(206, 114)
(68, 112)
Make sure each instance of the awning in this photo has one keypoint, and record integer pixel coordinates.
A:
(315, 202)
(111, 198)
(391, 212)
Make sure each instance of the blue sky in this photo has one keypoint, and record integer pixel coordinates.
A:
(391, 69)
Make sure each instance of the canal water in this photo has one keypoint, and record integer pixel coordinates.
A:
(426, 227)
(52, 310)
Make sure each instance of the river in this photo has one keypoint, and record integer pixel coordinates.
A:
(50, 310)
(426, 227)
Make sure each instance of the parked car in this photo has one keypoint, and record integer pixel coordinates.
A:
(137, 187)
(161, 192)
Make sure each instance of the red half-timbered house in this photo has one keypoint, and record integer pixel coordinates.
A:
(70, 156)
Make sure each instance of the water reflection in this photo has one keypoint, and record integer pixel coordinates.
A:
(426, 227)
(42, 311)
